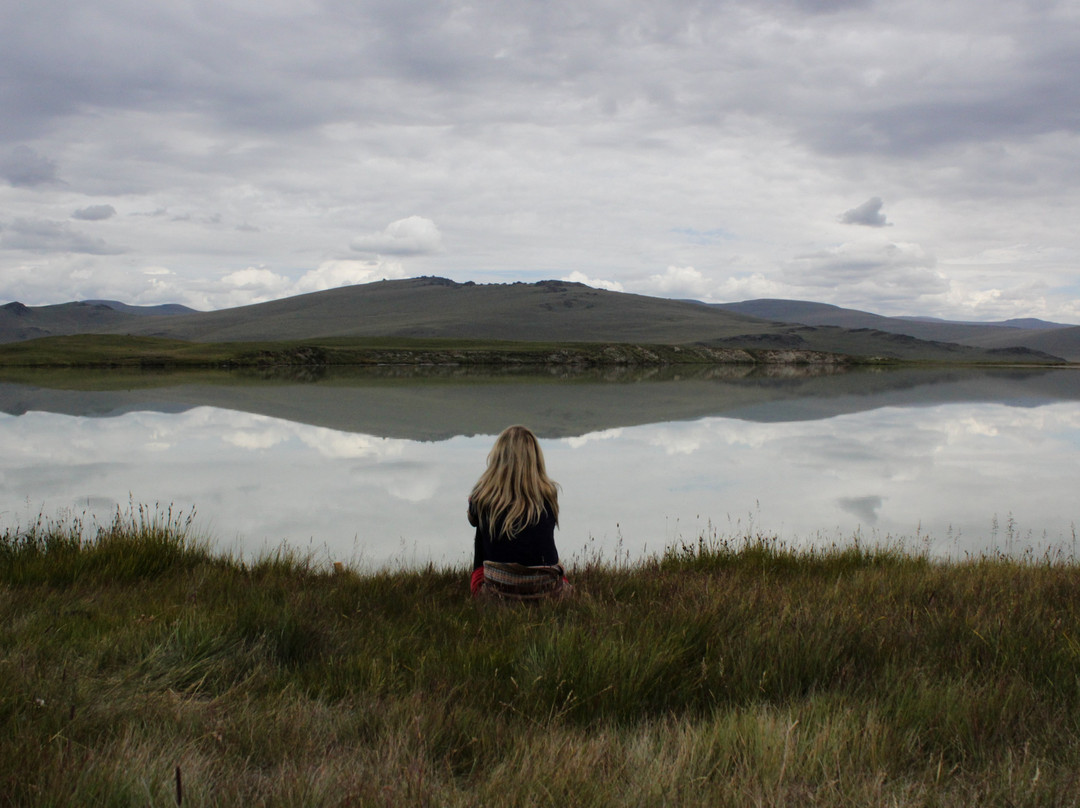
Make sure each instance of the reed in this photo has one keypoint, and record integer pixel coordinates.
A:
(139, 667)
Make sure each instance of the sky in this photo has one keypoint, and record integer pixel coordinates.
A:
(908, 157)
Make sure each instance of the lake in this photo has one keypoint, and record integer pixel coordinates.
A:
(374, 467)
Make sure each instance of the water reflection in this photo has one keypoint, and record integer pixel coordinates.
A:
(441, 403)
(377, 467)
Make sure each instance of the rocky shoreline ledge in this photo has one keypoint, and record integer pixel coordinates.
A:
(578, 356)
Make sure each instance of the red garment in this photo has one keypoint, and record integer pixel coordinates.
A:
(476, 581)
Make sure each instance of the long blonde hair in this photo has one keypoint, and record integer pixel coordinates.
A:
(514, 490)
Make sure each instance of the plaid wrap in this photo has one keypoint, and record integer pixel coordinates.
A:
(518, 582)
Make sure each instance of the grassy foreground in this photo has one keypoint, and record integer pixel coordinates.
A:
(140, 668)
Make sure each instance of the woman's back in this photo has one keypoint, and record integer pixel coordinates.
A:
(514, 507)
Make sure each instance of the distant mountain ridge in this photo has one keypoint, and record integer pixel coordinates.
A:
(544, 312)
(1058, 339)
(1032, 323)
(143, 311)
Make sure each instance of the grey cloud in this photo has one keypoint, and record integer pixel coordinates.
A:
(868, 214)
(94, 213)
(24, 167)
(862, 508)
(888, 270)
(40, 235)
(540, 133)
(428, 62)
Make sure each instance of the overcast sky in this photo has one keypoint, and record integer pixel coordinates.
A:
(916, 157)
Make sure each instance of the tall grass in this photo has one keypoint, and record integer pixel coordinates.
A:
(141, 669)
(136, 543)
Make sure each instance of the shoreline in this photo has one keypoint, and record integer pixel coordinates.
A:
(108, 352)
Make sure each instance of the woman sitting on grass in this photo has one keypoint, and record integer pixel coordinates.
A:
(515, 509)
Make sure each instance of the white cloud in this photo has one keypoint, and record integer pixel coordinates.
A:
(714, 287)
(412, 236)
(258, 284)
(345, 272)
(679, 282)
(581, 277)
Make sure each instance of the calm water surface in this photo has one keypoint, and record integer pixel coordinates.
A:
(375, 468)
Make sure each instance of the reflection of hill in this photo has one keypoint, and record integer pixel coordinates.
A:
(443, 405)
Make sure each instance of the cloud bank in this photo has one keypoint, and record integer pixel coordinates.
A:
(492, 142)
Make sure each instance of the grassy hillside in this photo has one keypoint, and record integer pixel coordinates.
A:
(108, 351)
(1063, 342)
(544, 314)
(1051, 338)
(549, 311)
(142, 668)
(19, 322)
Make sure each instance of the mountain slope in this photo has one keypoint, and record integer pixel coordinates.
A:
(548, 311)
(543, 312)
(144, 311)
(1038, 335)
(19, 322)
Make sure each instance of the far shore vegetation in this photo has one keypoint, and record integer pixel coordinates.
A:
(131, 352)
(142, 667)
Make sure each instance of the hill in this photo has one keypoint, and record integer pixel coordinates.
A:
(1058, 339)
(543, 312)
(546, 311)
(143, 311)
(19, 322)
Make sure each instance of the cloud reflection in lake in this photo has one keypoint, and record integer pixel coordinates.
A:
(949, 469)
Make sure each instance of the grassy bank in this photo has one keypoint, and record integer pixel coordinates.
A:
(104, 351)
(139, 666)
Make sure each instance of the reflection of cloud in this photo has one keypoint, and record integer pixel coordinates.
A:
(405, 480)
(344, 445)
(413, 489)
(940, 468)
(682, 442)
(976, 426)
(862, 508)
(255, 440)
(592, 437)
